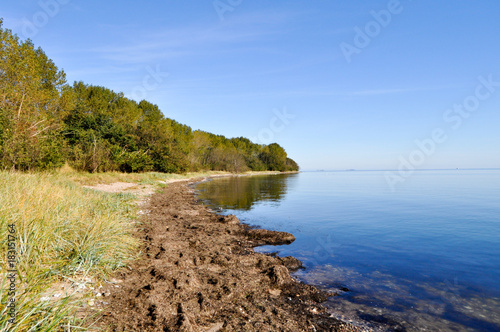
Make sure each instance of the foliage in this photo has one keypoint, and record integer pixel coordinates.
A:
(30, 86)
(45, 123)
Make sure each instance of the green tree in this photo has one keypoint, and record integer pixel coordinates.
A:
(45, 122)
(30, 90)
(274, 156)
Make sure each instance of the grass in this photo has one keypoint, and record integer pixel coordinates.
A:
(141, 178)
(65, 232)
(62, 231)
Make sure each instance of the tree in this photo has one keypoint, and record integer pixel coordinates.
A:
(44, 122)
(30, 88)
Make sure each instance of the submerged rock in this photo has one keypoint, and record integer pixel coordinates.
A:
(264, 236)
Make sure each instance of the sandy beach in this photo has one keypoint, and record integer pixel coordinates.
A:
(197, 271)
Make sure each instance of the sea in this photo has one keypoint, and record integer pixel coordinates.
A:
(420, 256)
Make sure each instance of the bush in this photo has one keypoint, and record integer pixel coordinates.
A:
(137, 161)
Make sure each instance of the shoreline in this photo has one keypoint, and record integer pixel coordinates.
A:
(198, 272)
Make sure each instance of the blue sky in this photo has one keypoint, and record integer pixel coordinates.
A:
(339, 84)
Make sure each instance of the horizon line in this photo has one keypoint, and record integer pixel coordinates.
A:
(389, 170)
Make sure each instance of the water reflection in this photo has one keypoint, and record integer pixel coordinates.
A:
(424, 259)
(242, 192)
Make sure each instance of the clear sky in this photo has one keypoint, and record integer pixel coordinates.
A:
(338, 84)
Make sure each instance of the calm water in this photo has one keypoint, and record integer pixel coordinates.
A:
(425, 257)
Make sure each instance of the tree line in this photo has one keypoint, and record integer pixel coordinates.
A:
(45, 123)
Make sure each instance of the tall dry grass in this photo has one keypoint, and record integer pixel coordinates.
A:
(62, 230)
(65, 232)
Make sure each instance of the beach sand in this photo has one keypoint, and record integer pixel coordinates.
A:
(198, 272)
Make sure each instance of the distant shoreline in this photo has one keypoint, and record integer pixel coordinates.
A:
(395, 170)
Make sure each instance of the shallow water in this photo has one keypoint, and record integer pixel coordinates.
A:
(425, 257)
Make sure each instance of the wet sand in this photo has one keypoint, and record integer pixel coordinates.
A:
(198, 272)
